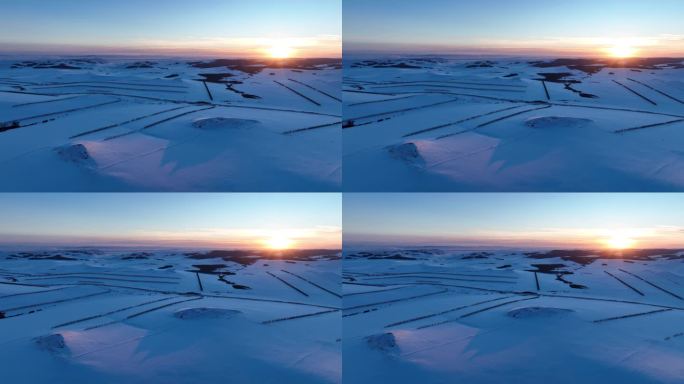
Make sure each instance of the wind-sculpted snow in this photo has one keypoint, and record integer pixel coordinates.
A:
(170, 125)
(448, 315)
(513, 125)
(148, 316)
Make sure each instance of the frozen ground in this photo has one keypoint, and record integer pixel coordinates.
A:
(454, 316)
(169, 125)
(435, 124)
(113, 316)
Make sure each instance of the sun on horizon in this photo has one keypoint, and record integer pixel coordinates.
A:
(279, 243)
(622, 51)
(619, 242)
(280, 51)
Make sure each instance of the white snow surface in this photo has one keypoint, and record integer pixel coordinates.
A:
(489, 126)
(115, 316)
(444, 315)
(156, 127)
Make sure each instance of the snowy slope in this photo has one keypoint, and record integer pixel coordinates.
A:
(112, 316)
(513, 125)
(445, 315)
(124, 125)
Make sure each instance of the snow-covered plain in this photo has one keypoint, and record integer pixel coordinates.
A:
(115, 315)
(108, 124)
(450, 124)
(455, 316)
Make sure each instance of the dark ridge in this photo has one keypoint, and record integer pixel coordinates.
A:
(254, 66)
(592, 66)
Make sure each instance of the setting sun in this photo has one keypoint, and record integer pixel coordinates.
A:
(622, 51)
(280, 52)
(279, 243)
(620, 242)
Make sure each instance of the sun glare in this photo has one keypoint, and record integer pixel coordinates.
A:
(622, 51)
(620, 242)
(280, 52)
(279, 243)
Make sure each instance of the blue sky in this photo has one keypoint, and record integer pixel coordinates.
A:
(168, 25)
(500, 219)
(233, 220)
(516, 26)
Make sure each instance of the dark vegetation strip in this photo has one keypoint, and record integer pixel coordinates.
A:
(633, 315)
(199, 282)
(314, 284)
(546, 90)
(100, 278)
(653, 285)
(141, 313)
(111, 312)
(108, 87)
(275, 109)
(369, 292)
(380, 101)
(444, 312)
(476, 312)
(67, 111)
(493, 121)
(114, 82)
(44, 102)
(439, 273)
(55, 301)
(398, 300)
(211, 97)
(656, 90)
(288, 284)
(536, 280)
(635, 92)
(624, 283)
(460, 121)
(299, 316)
(104, 274)
(403, 110)
(299, 130)
(316, 89)
(174, 117)
(649, 126)
(298, 93)
(452, 82)
(33, 293)
(125, 122)
(440, 277)
(452, 87)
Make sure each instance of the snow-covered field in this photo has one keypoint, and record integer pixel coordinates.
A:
(433, 124)
(112, 124)
(454, 316)
(115, 315)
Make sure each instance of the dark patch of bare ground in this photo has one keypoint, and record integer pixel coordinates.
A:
(254, 66)
(592, 66)
(481, 64)
(249, 257)
(142, 65)
(41, 256)
(585, 257)
(44, 65)
(557, 270)
(561, 78)
(221, 78)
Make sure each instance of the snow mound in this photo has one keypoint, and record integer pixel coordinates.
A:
(54, 343)
(556, 122)
(537, 312)
(215, 123)
(407, 152)
(205, 313)
(75, 153)
(385, 342)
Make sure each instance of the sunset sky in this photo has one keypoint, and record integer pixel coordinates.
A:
(226, 221)
(593, 221)
(309, 28)
(521, 27)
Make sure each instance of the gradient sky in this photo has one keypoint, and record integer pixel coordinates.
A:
(206, 27)
(175, 220)
(517, 27)
(513, 220)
